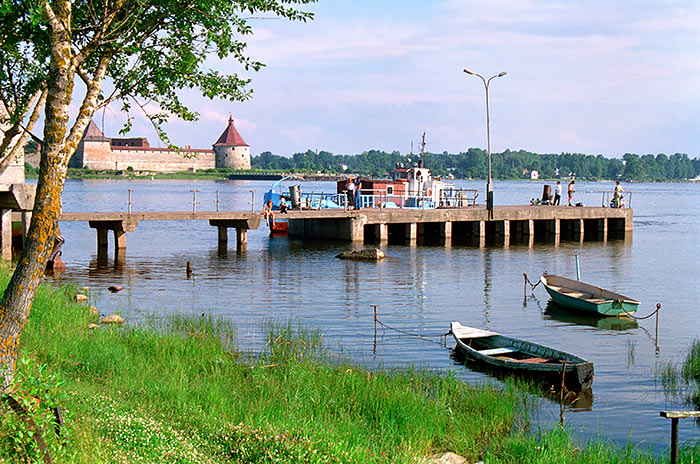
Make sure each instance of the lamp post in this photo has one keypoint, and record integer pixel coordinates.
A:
(489, 184)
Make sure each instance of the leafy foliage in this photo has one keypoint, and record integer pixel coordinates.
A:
(507, 165)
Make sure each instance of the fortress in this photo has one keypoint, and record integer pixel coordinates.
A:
(98, 152)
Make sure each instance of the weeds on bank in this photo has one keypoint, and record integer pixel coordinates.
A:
(682, 381)
(178, 391)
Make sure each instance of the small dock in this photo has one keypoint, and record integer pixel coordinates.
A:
(508, 225)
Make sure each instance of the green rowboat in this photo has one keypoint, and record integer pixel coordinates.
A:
(579, 295)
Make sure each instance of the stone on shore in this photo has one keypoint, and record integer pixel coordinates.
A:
(94, 311)
(115, 288)
(81, 298)
(112, 319)
(369, 254)
(446, 458)
(93, 326)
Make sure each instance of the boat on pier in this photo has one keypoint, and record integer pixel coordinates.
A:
(500, 353)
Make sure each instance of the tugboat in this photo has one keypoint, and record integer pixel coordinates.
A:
(409, 187)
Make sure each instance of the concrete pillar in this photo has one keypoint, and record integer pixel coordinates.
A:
(241, 239)
(383, 233)
(357, 230)
(223, 235)
(412, 234)
(119, 239)
(480, 232)
(446, 233)
(102, 238)
(6, 233)
(530, 228)
(26, 220)
(581, 228)
(604, 228)
(506, 233)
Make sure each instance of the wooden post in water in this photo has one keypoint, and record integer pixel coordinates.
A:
(374, 346)
(674, 416)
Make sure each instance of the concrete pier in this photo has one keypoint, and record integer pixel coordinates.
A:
(121, 223)
(510, 225)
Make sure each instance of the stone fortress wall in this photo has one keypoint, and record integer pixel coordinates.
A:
(98, 152)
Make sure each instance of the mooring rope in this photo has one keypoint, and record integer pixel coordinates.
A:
(426, 337)
(527, 281)
(658, 307)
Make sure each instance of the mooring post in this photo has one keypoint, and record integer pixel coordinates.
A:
(674, 416)
(217, 201)
(674, 440)
(656, 336)
(374, 347)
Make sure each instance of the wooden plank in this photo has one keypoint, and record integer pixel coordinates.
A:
(679, 414)
(497, 351)
(462, 331)
(537, 360)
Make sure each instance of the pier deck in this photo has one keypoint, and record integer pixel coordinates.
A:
(446, 226)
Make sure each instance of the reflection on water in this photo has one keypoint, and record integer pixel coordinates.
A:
(558, 313)
(417, 289)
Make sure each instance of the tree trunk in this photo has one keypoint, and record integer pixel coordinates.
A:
(19, 295)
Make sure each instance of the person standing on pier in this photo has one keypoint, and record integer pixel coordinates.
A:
(617, 195)
(268, 215)
(571, 191)
(557, 194)
(351, 193)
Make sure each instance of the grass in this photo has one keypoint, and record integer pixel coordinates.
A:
(178, 391)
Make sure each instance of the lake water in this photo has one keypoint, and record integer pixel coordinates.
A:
(418, 289)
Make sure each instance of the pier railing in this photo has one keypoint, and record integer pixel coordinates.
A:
(607, 198)
(449, 197)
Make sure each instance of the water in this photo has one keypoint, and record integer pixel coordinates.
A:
(418, 289)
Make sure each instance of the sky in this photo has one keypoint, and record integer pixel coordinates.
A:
(598, 76)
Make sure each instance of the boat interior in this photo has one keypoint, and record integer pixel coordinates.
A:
(514, 351)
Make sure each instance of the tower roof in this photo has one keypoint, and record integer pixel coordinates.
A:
(93, 133)
(230, 137)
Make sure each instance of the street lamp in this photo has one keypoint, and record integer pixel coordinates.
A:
(489, 185)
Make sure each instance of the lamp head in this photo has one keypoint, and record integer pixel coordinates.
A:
(468, 71)
(502, 73)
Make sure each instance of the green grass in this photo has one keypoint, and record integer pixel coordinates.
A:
(178, 390)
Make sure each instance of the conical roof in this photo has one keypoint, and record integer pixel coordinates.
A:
(230, 137)
(93, 133)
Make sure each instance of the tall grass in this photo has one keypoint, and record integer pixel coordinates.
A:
(179, 391)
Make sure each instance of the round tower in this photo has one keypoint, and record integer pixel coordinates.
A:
(231, 151)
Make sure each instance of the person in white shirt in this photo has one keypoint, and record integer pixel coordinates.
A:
(557, 193)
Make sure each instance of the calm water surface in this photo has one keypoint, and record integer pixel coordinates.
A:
(420, 289)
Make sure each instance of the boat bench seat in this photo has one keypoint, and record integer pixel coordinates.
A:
(575, 294)
(537, 360)
(497, 351)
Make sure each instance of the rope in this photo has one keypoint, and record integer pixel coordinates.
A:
(421, 336)
(527, 281)
(658, 307)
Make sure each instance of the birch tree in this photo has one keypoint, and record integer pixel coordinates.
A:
(146, 51)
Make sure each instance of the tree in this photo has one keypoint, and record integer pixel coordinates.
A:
(148, 50)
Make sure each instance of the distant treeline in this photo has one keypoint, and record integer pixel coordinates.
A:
(506, 165)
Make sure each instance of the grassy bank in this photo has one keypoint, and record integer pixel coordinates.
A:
(179, 391)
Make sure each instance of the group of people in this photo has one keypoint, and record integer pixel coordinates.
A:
(617, 201)
(557, 193)
(353, 193)
(269, 213)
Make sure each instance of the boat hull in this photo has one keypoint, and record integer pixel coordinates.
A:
(525, 359)
(577, 295)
